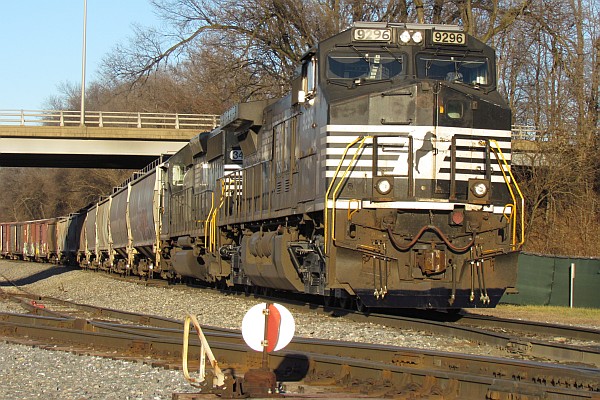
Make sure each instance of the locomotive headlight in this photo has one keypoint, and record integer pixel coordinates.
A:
(479, 189)
(417, 37)
(383, 186)
(405, 37)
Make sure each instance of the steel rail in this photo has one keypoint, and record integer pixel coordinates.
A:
(530, 327)
(336, 362)
(426, 317)
(518, 344)
(515, 345)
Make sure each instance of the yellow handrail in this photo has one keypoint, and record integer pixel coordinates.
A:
(214, 217)
(360, 139)
(341, 182)
(207, 220)
(504, 167)
(351, 211)
(211, 218)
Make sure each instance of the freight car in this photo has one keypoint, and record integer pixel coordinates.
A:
(12, 240)
(35, 240)
(121, 233)
(381, 180)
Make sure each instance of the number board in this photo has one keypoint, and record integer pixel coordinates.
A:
(236, 155)
(442, 37)
(371, 35)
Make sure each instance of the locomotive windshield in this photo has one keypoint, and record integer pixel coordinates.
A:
(368, 65)
(470, 70)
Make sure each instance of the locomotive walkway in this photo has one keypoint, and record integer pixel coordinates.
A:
(51, 138)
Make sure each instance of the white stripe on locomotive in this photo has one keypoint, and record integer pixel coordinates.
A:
(429, 165)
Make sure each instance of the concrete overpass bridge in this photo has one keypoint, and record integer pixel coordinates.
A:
(49, 138)
(527, 142)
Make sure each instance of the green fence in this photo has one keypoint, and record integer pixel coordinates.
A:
(544, 280)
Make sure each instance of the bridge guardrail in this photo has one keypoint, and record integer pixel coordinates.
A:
(108, 119)
(160, 120)
(524, 132)
(530, 133)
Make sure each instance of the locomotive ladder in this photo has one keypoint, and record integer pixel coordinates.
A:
(517, 207)
(361, 144)
(513, 187)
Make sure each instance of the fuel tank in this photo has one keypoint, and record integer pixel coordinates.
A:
(187, 263)
(266, 261)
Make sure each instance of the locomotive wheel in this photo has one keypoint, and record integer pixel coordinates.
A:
(222, 286)
(347, 303)
(360, 306)
(329, 301)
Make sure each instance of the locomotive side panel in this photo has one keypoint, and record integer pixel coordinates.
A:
(191, 200)
(179, 187)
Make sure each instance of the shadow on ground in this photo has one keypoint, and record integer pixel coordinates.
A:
(38, 276)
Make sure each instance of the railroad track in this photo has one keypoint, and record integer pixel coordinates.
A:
(366, 368)
(526, 339)
(516, 339)
(350, 367)
(422, 320)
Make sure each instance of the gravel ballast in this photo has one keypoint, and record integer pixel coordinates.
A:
(30, 373)
(211, 307)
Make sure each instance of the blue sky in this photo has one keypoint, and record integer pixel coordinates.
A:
(41, 44)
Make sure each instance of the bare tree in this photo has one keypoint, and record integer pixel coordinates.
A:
(271, 35)
(549, 69)
(29, 194)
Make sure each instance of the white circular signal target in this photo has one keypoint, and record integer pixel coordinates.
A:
(280, 327)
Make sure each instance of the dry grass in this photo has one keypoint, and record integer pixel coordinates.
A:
(589, 317)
